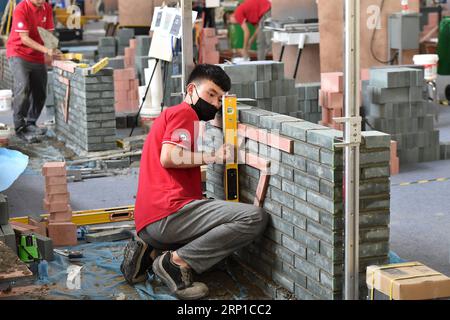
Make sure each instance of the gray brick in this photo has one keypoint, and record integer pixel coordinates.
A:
(319, 290)
(319, 231)
(374, 157)
(282, 197)
(307, 268)
(281, 225)
(334, 252)
(4, 211)
(375, 172)
(374, 218)
(324, 138)
(272, 207)
(374, 234)
(373, 249)
(284, 254)
(294, 189)
(374, 187)
(298, 130)
(275, 122)
(321, 171)
(298, 277)
(252, 116)
(322, 202)
(303, 294)
(294, 218)
(293, 246)
(375, 139)
(306, 180)
(273, 234)
(374, 203)
(45, 246)
(307, 151)
(306, 239)
(294, 161)
(282, 280)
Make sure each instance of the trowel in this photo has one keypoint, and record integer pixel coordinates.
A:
(50, 41)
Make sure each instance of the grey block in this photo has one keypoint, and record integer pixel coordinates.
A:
(298, 130)
(282, 226)
(375, 139)
(293, 245)
(107, 42)
(252, 116)
(306, 239)
(4, 210)
(45, 246)
(324, 138)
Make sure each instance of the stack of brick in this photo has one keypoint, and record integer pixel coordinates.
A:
(116, 63)
(264, 82)
(85, 116)
(107, 47)
(6, 76)
(302, 249)
(7, 235)
(142, 58)
(124, 35)
(308, 102)
(207, 50)
(394, 104)
(331, 98)
(126, 89)
(56, 202)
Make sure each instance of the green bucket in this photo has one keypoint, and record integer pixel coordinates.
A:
(443, 49)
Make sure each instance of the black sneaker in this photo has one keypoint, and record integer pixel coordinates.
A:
(136, 261)
(25, 135)
(31, 127)
(178, 279)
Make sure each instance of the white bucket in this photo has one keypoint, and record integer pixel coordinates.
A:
(5, 100)
(430, 64)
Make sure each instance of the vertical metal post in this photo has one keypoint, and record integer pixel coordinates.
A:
(351, 132)
(187, 58)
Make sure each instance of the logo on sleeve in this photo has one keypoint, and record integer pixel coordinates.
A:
(20, 25)
(183, 137)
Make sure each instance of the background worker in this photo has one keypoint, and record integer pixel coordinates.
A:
(26, 53)
(251, 11)
(170, 212)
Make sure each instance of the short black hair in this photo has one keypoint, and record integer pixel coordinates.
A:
(210, 72)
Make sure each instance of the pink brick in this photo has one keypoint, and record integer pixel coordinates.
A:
(133, 43)
(209, 32)
(335, 100)
(55, 189)
(62, 216)
(62, 197)
(54, 206)
(365, 74)
(332, 82)
(122, 85)
(261, 191)
(124, 74)
(63, 233)
(51, 181)
(54, 169)
(257, 162)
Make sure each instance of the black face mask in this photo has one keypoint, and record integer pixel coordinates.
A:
(205, 111)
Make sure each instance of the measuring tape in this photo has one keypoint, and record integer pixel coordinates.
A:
(229, 106)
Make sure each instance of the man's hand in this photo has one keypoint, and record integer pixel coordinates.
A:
(55, 54)
(225, 154)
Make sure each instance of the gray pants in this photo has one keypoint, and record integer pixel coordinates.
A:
(29, 90)
(204, 232)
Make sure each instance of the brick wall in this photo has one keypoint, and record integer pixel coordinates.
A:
(89, 123)
(302, 249)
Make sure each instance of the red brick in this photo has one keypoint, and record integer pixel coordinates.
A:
(62, 197)
(63, 233)
(211, 57)
(257, 162)
(121, 85)
(124, 74)
(63, 216)
(121, 95)
(209, 32)
(365, 74)
(133, 43)
(134, 84)
(335, 100)
(261, 191)
(54, 206)
(54, 169)
(51, 181)
(42, 226)
(55, 189)
(23, 228)
(332, 82)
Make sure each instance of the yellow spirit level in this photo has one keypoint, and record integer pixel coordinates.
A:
(230, 116)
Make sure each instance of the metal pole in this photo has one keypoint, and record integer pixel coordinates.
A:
(187, 55)
(352, 136)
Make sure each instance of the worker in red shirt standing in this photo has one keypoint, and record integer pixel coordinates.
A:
(170, 212)
(26, 52)
(251, 11)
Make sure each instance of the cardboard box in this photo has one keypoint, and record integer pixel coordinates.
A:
(407, 281)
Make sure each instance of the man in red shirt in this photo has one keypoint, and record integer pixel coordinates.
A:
(170, 212)
(26, 52)
(250, 11)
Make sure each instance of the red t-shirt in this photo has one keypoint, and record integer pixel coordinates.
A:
(27, 18)
(252, 11)
(161, 191)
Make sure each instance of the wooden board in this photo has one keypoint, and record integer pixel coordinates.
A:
(331, 25)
